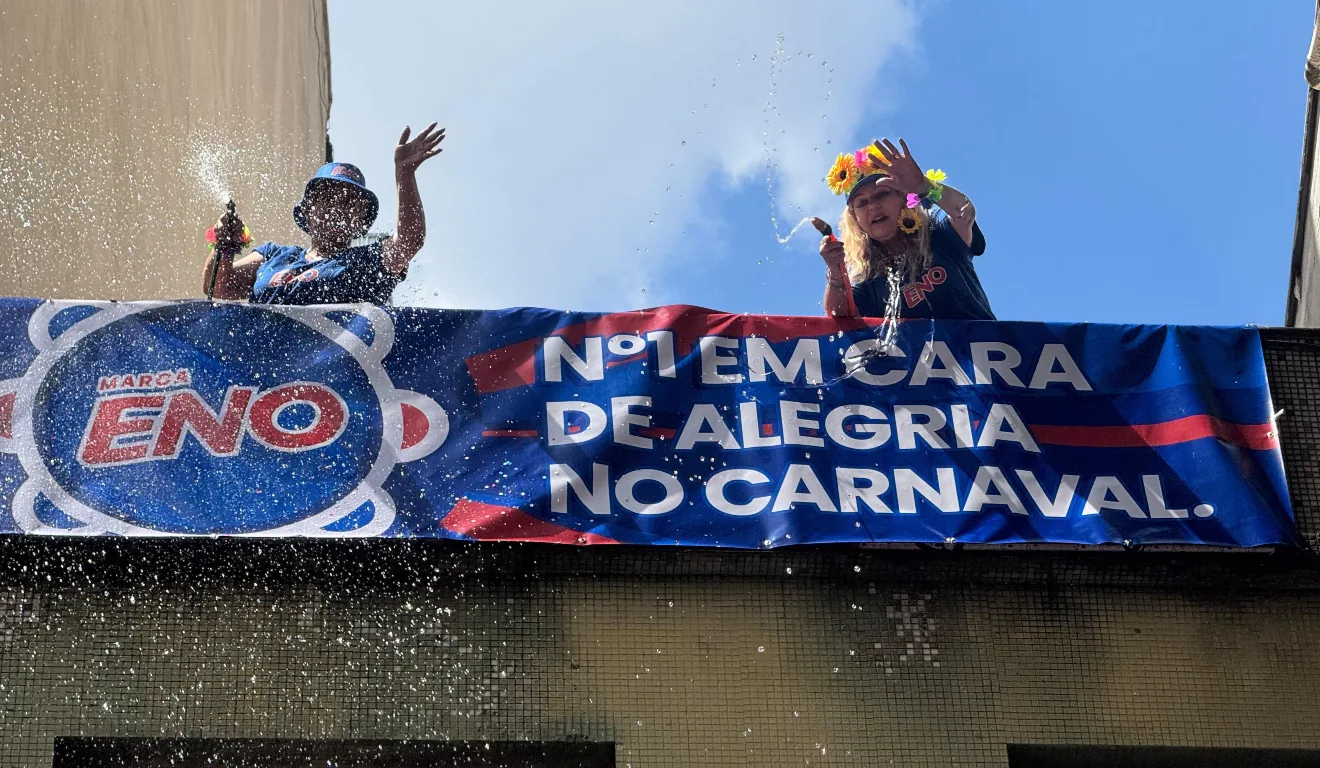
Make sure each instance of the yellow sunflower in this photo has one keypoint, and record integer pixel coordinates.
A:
(909, 221)
(844, 175)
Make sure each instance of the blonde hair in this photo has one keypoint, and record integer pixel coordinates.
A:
(866, 258)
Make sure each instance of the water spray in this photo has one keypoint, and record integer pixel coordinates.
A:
(888, 329)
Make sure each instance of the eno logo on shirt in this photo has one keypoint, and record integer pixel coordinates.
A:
(288, 276)
(130, 427)
(915, 293)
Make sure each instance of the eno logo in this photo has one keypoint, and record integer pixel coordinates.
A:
(131, 427)
(288, 276)
(289, 413)
(347, 171)
(915, 293)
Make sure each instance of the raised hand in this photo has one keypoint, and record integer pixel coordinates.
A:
(229, 232)
(831, 251)
(906, 175)
(410, 154)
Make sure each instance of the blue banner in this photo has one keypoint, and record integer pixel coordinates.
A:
(671, 426)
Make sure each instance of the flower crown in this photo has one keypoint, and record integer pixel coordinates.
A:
(848, 169)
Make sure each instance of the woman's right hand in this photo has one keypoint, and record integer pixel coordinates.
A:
(838, 295)
(831, 250)
(229, 232)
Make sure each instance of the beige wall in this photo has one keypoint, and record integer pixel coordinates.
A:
(110, 111)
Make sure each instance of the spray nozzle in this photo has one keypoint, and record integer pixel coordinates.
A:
(822, 227)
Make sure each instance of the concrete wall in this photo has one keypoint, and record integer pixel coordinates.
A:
(114, 118)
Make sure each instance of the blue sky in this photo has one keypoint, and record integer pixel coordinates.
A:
(1130, 161)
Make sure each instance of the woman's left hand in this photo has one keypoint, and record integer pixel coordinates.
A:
(906, 174)
(410, 154)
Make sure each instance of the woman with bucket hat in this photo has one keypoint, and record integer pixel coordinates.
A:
(336, 208)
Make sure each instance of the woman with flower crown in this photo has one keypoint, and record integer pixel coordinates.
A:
(908, 241)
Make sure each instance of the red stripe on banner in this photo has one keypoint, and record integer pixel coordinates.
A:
(1259, 437)
(505, 368)
(7, 414)
(509, 433)
(690, 323)
(490, 522)
(662, 433)
(626, 360)
(515, 365)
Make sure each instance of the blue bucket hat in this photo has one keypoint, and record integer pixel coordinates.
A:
(337, 173)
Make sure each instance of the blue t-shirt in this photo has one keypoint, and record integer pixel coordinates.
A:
(948, 289)
(355, 275)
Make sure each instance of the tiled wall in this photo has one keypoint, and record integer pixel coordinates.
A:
(678, 671)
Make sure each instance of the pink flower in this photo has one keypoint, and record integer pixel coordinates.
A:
(913, 200)
(861, 159)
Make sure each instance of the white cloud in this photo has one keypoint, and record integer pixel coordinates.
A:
(567, 124)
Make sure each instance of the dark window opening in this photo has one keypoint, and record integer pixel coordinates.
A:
(305, 753)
